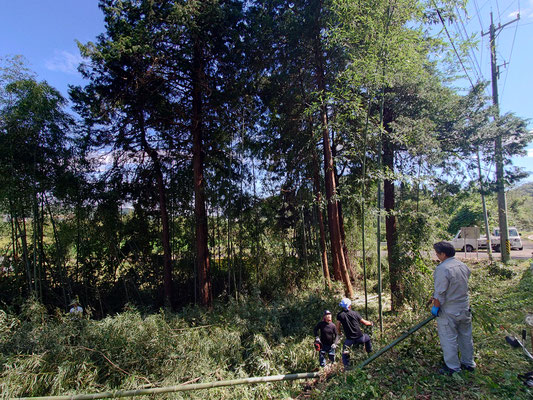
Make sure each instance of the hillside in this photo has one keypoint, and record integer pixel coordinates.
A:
(520, 206)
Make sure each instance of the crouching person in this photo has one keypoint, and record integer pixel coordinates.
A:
(351, 321)
(326, 342)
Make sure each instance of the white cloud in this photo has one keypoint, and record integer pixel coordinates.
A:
(530, 152)
(63, 61)
(525, 12)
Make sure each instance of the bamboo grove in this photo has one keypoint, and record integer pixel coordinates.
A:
(222, 148)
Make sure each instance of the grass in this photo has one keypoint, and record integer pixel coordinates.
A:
(46, 354)
(501, 298)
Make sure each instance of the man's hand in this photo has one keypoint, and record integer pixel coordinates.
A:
(334, 346)
(435, 311)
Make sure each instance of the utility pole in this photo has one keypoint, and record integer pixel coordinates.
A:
(505, 245)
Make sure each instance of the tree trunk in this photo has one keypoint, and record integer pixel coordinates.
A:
(349, 266)
(333, 214)
(318, 196)
(25, 255)
(60, 262)
(14, 241)
(395, 272)
(202, 251)
(167, 253)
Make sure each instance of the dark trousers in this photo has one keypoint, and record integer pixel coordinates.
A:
(349, 343)
(322, 355)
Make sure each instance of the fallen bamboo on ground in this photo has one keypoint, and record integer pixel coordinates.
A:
(233, 382)
(179, 388)
(395, 342)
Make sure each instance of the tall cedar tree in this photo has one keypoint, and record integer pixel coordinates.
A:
(127, 93)
(162, 74)
(389, 61)
(294, 78)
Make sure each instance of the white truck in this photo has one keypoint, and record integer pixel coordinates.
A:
(514, 239)
(468, 239)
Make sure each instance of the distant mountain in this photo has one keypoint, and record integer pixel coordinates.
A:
(520, 206)
(525, 189)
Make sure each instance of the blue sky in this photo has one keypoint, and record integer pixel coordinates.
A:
(45, 33)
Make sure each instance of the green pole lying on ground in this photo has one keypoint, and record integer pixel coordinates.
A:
(179, 388)
(233, 382)
(395, 342)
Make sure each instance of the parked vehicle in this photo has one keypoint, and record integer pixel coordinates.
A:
(514, 239)
(470, 243)
(467, 244)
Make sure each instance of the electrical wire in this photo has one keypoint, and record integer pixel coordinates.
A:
(510, 55)
(471, 54)
(509, 6)
(453, 45)
(477, 15)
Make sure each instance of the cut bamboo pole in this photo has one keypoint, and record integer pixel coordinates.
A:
(233, 382)
(179, 388)
(395, 342)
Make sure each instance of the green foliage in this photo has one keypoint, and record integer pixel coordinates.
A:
(409, 370)
(520, 207)
(45, 354)
(466, 215)
(500, 271)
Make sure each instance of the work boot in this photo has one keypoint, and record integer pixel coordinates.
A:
(445, 370)
(467, 368)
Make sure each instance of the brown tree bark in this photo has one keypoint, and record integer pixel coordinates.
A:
(333, 215)
(318, 196)
(349, 266)
(202, 250)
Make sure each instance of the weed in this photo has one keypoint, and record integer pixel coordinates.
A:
(51, 354)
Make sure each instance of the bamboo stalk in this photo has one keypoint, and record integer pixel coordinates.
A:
(233, 382)
(395, 342)
(179, 388)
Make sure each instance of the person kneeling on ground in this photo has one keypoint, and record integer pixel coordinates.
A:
(351, 321)
(328, 339)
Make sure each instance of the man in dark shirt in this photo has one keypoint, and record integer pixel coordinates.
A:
(327, 339)
(350, 321)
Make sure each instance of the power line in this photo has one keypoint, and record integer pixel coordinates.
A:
(477, 15)
(453, 45)
(471, 54)
(509, 6)
(510, 55)
(499, 14)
